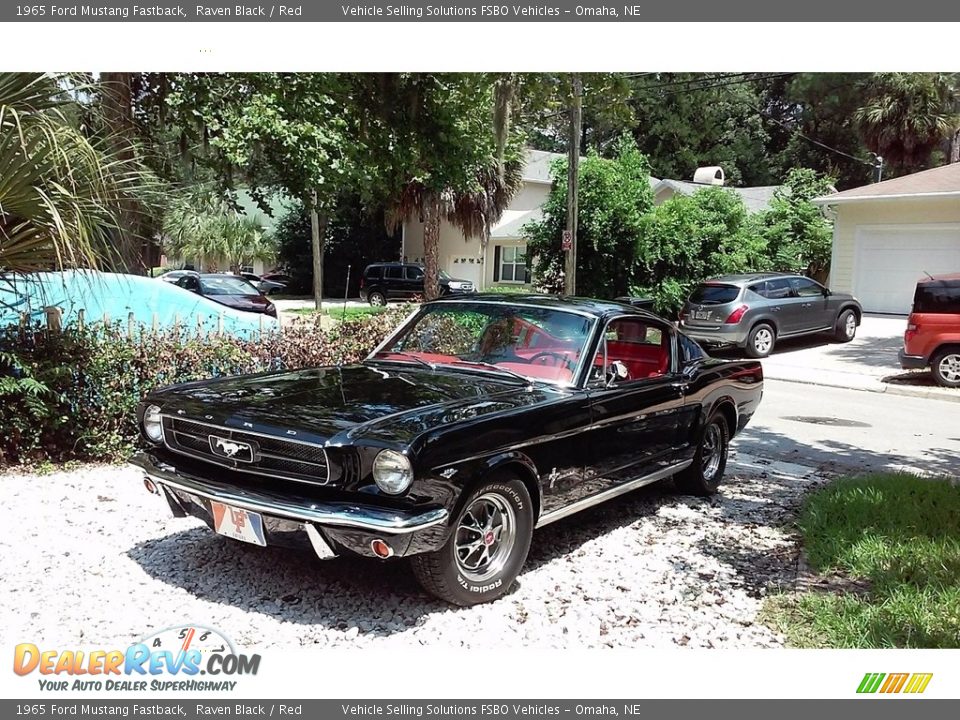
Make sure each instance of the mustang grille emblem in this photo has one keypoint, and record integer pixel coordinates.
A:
(240, 451)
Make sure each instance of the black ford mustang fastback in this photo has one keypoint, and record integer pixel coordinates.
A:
(477, 421)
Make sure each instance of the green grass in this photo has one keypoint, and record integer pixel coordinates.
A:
(337, 311)
(898, 535)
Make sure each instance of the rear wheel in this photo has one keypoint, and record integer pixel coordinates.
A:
(705, 472)
(946, 368)
(760, 341)
(486, 549)
(846, 328)
(377, 298)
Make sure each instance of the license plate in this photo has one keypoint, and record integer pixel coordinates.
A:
(701, 314)
(238, 524)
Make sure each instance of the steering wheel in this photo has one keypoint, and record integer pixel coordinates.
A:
(565, 361)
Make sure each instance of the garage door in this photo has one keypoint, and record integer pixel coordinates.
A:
(890, 259)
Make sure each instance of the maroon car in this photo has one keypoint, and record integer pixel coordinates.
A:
(229, 290)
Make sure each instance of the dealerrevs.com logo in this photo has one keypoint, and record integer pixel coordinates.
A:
(198, 658)
(894, 683)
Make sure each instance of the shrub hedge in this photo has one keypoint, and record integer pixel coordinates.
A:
(72, 394)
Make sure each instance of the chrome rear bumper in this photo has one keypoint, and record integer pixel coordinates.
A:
(327, 514)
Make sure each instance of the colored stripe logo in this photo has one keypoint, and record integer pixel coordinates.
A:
(913, 683)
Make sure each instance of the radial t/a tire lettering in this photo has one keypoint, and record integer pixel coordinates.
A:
(488, 544)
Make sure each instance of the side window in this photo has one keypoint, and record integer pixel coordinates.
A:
(414, 273)
(759, 289)
(373, 273)
(641, 346)
(803, 287)
(689, 350)
(777, 289)
(189, 282)
(393, 272)
(937, 299)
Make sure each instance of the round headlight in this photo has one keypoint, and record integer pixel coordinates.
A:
(392, 472)
(152, 426)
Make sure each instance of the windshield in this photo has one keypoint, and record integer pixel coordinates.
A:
(534, 343)
(227, 285)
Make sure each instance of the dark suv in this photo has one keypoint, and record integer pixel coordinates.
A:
(756, 310)
(381, 282)
(932, 338)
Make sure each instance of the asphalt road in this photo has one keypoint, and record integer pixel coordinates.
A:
(838, 430)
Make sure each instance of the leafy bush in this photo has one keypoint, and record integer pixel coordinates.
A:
(73, 394)
(690, 238)
(614, 196)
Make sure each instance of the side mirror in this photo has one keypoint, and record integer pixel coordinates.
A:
(617, 370)
(827, 292)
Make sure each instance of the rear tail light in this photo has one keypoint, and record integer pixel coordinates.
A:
(361, 282)
(912, 329)
(736, 315)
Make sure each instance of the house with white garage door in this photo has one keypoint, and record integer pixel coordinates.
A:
(888, 235)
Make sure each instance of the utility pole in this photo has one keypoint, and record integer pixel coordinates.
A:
(573, 176)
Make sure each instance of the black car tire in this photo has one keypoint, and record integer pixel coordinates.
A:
(944, 366)
(756, 347)
(444, 573)
(846, 328)
(706, 471)
(376, 298)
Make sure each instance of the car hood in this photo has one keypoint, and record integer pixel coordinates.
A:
(339, 405)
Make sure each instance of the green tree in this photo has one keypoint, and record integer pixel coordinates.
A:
(205, 228)
(615, 196)
(434, 151)
(908, 116)
(797, 236)
(689, 238)
(60, 193)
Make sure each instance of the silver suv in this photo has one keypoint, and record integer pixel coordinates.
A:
(754, 311)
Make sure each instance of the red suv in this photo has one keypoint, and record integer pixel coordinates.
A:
(932, 338)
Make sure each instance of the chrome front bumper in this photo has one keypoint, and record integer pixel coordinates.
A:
(334, 516)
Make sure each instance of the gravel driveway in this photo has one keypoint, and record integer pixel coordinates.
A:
(89, 557)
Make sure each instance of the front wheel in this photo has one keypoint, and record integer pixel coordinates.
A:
(846, 327)
(486, 549)
(946, 368)
(705, 472)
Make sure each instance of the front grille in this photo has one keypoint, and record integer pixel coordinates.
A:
(254, 453)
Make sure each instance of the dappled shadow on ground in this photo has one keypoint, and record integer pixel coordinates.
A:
(835, 457)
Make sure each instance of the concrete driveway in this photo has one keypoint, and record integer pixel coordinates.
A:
(868, 362)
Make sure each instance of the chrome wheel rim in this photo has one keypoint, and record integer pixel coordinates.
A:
(378, 300)
(949, 367)
(851, 326)
(763, 341)
(485, 537)
(712, 452)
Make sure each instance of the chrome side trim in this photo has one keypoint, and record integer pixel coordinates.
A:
(613, 492)
(339, 514)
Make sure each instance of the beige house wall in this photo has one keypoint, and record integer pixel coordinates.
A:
(921, 211)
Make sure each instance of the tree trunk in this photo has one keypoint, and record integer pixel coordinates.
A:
(318, 228)
(573, 177)
(955, 147)
(117, 102)
(431, 250)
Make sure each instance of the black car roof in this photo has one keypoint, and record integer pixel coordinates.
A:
(590, 306)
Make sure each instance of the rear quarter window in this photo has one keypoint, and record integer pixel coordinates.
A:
(373, 273)
(937, 299)
(714, 294)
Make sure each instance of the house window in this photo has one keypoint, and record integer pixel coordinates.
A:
(513, 264)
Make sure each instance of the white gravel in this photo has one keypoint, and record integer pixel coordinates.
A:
(87, 556)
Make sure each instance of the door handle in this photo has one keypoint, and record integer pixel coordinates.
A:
(808, 305)
(776, 308)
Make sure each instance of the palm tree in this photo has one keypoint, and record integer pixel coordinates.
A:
(198, 225)
(907, 116)
(60, 194)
